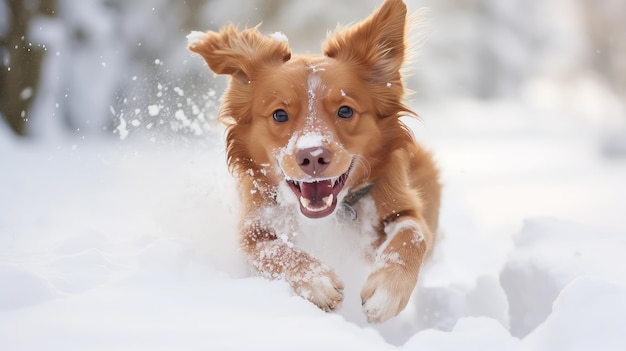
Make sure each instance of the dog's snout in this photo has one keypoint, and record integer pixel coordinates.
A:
(313, 161)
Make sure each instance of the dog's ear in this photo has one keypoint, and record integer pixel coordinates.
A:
(377, 43)
(239, 54)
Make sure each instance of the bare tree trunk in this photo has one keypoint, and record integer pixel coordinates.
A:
(606, 29)
(20, 63)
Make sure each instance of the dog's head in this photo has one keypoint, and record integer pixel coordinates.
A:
(322, 124)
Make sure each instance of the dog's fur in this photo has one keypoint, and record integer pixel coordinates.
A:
(306, 132)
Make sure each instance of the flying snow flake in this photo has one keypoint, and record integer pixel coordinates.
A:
(185, 122)
(180, 115)
(26, 93)
(121, 128)
(153, 110)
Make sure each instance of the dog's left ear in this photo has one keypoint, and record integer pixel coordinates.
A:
(377, 43)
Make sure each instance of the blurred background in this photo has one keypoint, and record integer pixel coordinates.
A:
(108, 142)
(107, 67)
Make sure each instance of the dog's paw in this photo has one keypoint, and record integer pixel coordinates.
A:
(386, 292)
(320, 285)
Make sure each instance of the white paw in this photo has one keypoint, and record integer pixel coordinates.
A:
(321, 286)
(386, 293)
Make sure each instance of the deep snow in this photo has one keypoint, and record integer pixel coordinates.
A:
(132, 245)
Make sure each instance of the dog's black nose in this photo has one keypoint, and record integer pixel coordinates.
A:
(314, 160)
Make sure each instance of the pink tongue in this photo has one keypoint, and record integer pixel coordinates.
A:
(316, 191)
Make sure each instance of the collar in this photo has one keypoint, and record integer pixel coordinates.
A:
(352, 198)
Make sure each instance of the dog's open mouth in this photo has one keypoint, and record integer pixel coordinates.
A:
(318, 198)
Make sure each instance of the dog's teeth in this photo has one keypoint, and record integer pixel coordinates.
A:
(328, 200)
(305, 202)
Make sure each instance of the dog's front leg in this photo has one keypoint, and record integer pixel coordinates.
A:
(394, 276)
(275, 259)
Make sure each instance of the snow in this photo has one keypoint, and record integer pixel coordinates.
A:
(121, 128)
(391, 229)
(279, 36)
(129, 241)
(542, 266)
(316, 152)
(131, 244)
(598, 308)
(308, 140)
(195, 37)
(153, 110)
(472, 334)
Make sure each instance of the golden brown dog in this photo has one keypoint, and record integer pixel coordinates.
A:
(312, 137)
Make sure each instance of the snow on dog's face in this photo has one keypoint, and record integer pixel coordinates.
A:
(306, 120)
(320, 124)
(311, 124)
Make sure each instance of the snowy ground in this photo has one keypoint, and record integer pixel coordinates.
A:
(130, 245)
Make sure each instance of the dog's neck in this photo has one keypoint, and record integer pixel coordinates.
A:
(354, 197)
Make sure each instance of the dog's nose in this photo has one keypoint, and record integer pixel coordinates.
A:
(314, 160)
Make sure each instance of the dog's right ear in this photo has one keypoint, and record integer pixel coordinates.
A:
(238, 54)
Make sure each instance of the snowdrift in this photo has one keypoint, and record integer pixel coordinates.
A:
(128, 245)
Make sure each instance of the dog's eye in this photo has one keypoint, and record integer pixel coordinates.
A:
(345, 112)
(280, 116)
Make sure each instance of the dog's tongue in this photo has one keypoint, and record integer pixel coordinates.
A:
(316, 191)
(317, 199)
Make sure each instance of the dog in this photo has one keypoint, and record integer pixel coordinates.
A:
(316, 137)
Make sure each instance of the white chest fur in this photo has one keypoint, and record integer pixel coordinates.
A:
(344, 244)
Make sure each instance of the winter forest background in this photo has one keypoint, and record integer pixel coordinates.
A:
(66, 65)
(118, 218)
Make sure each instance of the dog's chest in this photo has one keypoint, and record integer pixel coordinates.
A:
(342, 238)
(338, 239)
(345, 245)
(341, 241)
